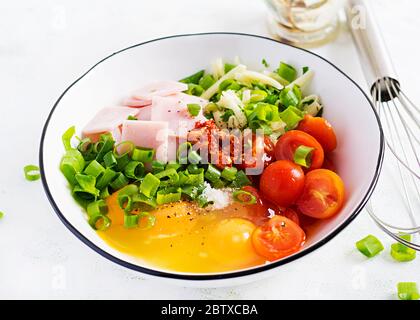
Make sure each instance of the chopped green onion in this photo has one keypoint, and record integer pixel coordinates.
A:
(157, 166)
(121, 146)
(202, 201)
(1, 214)
(85, 190)
(182, 152)
(104, 193)
(401, 252)
(124, 197)
(119, 182)
(105, 144)
(130, 117)
(305, 69)
(241, 180)
(134, 170)
(122, 161)
(94, 168)
(194, 78)
(369, 246)
(265, 63)
(229, 173)
(194, 157)
(133, 220)
(66, 137)
(303, 156)
(100, 222)
(190, 191)
(258, 95)
(408, 291)
(85, 146)
(291, 117)
(31, 172)
(244, 197)
(193, 109)
(167, 177)
(143, 203)
(97, 208)
(291, 96)
(143, 154)
(194, 179)
(287, 72)
(193, 168)
(229, 84)
(219, 184)
(194, 89)
(110, 160)
(228, 67)
(168, 195)
(105, 179)
(173, 165)
(212, 173)
(206, 81)
(150, 185)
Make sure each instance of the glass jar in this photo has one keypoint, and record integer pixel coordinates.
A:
(303, 22)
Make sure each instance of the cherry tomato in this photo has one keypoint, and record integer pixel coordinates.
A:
(282, 182)
(291, 140)
(262, 210)
(323, 194)
(321, 130)
(277, 238)
(291, 214)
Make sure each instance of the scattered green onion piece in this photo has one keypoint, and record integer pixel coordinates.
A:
(125, 147)
(194, 89)
(194, 78)
(168, 196)
(190, 191)
(1, 214)
(212, 173)
(85, 190)
(229, 173)
(124, 197)
(143, 203)
(168, 177)
(290, 96)
(206, 81)
(143, 154)
(103, 220)
(193, 168)
(122, 161)
(173, 165)
(157, 166)
(408, 291)
(130, 117)
(97, 208)
(85, 146)
(287, 72)
(104, 193)
(195, 179)
(241, 180)
(258, 95)
(106, 178)
(202, 201)
(105, 144)
(119, 182)
(219, 184)
(244, 197)
(130, 189)
(265, 63)
(150, 185)
(305, 69)
(194, 157)
(229, 84)
(110, 160)
(369, 246)
(291, 117)
(182, 152)
(193, 109)
(66, 137)
(31, 172)
(303, 156)
(134, 170)
(133, 220)
(401, 252)
(94, 168)
(228, 67)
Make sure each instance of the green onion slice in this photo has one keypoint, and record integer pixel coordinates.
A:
(31, 172)
(182, 152)
(106, 178)
(97, 208)
(66, 137)
(150, 185)
(287, 72)
(168, 177)
(134, 220)
(119, 182)
(193, 109)
(143, 203)
(229, 173)
(369, 246)
(291, 117)
(194, 78)
(125, 197)
(168, 195)
(110, 160)
(241, 180)
(100, 222)
(134, 170)
(94, 168)
(244, 197)
(157, 166)
(303, 156)
(143, 154)
(212, 173)
(401, 252)
(408, 291)
(1, 214)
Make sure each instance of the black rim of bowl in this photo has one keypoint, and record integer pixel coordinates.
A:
(228, 275)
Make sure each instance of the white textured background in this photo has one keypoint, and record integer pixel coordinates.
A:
(45, 45)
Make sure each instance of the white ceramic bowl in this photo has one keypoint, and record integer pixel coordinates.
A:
(358, 157)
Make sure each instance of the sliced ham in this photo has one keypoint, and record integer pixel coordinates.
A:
(174, 110)
(147, 134)
(108, 120)
(145, 113)
(159, 88)
(137, 103)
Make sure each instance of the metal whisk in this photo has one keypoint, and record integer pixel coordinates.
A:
(400, 118)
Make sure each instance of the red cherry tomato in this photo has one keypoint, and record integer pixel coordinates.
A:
(323, 194)
(290, 214)
(277, 238)
(291, 140)
(321, 130)
(282, 182)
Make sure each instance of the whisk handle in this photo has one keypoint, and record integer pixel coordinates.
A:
(373, 53)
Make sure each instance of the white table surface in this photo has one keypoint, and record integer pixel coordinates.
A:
(45, 45)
